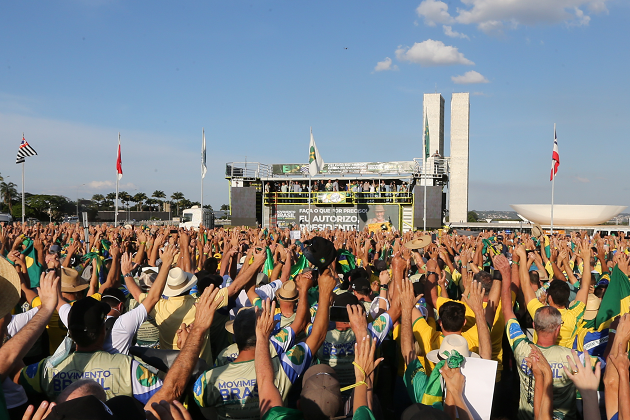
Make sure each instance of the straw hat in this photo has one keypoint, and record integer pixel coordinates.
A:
(222, 296)
(9, 287)
(229, 326)
(71, 282)
(537, 230)
(288, 291)
(451, 342)
(178, 282)
(592, 306)
(418, 243)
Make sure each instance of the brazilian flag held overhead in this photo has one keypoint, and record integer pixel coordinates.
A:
(33, 266)
(616, 300)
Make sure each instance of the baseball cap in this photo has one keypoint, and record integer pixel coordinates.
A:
(54, 249)
(88, 407)
(361, 285)
(321, 395)
(319, 251)
(87, 315)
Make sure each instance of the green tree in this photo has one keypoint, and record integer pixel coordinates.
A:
(98, 200)
(473, 216)
(139, 198)
(177, 197)
(125, 198)
(159, 196)
(225, 207)
(8, 192)
(152, 202)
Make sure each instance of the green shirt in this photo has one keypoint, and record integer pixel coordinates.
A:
(415, 380)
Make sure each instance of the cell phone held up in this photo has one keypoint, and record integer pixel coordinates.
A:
(338, 314)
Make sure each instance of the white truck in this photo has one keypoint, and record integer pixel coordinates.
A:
(194, 216)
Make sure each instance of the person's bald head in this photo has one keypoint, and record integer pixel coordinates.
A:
(82, 388)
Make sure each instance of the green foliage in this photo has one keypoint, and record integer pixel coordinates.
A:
(472, 216)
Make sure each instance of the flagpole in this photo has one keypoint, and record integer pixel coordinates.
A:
(23, 190)
(116, 202)
(553, 180)
(203, 136)
(310, 188)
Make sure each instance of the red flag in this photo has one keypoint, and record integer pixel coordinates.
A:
(119, 161)
(555, 157)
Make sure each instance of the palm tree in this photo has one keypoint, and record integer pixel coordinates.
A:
(177, 196)
(152, 202)
(8, 191)
(139, 198)
(158, 195)
(98, 199)
(124, 197)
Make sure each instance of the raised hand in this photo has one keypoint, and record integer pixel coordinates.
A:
(265, 322)
(583, 376)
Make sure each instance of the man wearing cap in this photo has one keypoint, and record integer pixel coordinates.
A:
(338, 347)
(13, 351)
(283, 335)
(124, 326)
(320, 398)
(118, 374)
(231, 390)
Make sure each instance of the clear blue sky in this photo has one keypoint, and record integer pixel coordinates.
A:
(73, 73)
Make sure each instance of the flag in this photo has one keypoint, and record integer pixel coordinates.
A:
(33, 267)
(24, 151)
(298, 267)
(268, 266)
(345, 261)
(119, 161)
(204, 169)
(555, 157)
(426, 137)
(315, 161)
(616, 300)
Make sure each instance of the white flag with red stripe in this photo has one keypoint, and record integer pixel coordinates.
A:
(555, 157)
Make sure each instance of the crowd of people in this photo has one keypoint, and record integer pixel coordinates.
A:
(242, 323)
(333, 185)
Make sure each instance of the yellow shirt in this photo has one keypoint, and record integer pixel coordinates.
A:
(571, 318)
(169, 314)
(426, 334)
(496, 332)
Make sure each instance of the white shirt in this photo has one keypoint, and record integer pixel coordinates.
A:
(264, 292)
(124, 330)
(20, 320)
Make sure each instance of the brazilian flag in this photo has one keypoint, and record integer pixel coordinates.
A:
(268, 267)
(345, 260)
(299, 266)
(616, 301)
(547, 247)
(33, 267)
